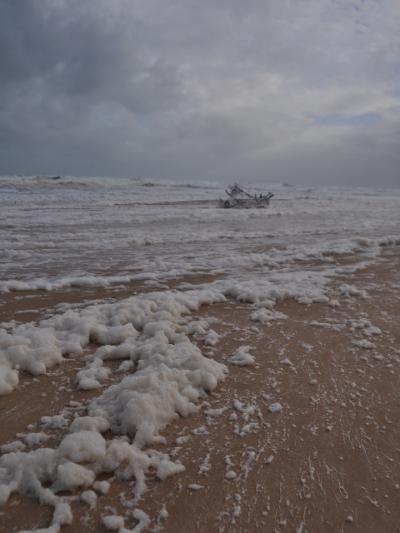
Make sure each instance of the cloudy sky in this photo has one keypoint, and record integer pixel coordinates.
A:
(302, 91)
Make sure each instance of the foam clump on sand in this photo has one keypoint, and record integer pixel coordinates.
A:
(143, 403)
(275, 407)
(71, 476)
(171, 375)
(28, 348)
(242, 357)
(83, 447)
(212, 338)
(167, 468)
(364, 326)
(89, 423)
(8, 378)
(90, 498)
(117, 522)
(47, 284)
(114, 327)
(304, 286)
(349, 291)
(92, 376)
(264, 316)
(113, 522)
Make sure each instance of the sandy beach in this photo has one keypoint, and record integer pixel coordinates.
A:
(303, 436)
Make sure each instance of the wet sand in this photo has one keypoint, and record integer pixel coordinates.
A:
(327, 462)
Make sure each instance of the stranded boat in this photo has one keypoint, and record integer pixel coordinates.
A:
(239, 198)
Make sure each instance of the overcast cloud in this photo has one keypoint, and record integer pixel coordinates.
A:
(303, 91)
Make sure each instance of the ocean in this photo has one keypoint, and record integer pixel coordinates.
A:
(57, 232)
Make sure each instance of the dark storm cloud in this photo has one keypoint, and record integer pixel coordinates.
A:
(296, 91)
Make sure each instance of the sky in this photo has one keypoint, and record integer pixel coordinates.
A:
(296, 91)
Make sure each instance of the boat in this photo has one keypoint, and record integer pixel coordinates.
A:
(240, 198)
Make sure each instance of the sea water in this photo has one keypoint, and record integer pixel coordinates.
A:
(79, 230)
